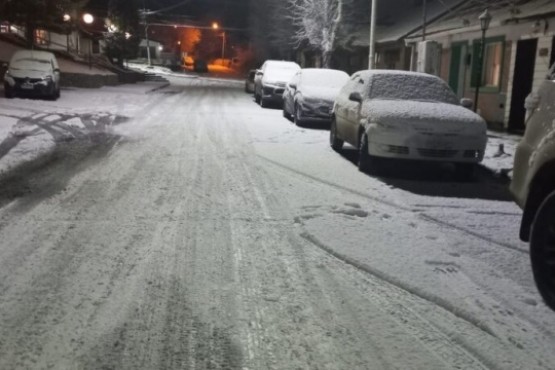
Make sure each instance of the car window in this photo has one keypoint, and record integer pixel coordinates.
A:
(416, 87)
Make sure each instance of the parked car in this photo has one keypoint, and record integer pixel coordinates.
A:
(533, 185)
(32, 73)
(200, 66)
(406, 115)
(249, 82)
(270, 81)
(310, 94)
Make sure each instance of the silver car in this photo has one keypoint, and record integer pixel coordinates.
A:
(270, 80)
(310, 94)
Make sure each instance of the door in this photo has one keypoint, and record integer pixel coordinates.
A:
(457, 68)
(523, 79)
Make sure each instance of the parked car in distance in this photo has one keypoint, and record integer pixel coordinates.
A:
(249, 82)
(32, 73)
(200, 66)
(533, 185)
(311, 93)
(270, 81)
(406, 115)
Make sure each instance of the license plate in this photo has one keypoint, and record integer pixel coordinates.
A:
(27, 86)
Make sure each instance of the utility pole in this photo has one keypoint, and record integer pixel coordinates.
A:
(372, 46)
(424, 19)
(145, 22)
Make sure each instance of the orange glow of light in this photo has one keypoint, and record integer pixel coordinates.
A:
(215, 25)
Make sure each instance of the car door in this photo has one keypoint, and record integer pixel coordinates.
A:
(340, 109)
(353, 110)
(290, 91)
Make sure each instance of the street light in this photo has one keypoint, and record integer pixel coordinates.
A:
(88, 18)
(485, 20)
(216, 26)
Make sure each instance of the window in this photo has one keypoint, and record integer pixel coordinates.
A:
(492, 65)
(42, 37)
(493, 57)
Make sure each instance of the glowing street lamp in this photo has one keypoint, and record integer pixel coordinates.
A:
(215, 25)
(88, 18)
(67, 17)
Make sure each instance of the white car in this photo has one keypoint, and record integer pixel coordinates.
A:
(310, 94)
(270, 80)
(533, 185)
(406, 115)
(32, 72)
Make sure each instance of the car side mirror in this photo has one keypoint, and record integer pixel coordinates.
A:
(467, 103)
(293, 85)
(56, 70)
(259, 73)
(355, 96)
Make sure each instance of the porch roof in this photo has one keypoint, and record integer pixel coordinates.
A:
(502, 12)
(398, 19)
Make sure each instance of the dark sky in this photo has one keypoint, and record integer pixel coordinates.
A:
(230, 13)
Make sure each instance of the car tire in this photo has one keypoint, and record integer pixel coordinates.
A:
(297, 116)
(335, 142)
(285, 114)
(465, 171)
(366, 162)
(542, 250)
(8, 92)
(263, 103)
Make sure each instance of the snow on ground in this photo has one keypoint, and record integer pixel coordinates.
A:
(210, 196)
(30, 129)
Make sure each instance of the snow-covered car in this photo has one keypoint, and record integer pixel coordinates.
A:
(270, 81)
(310, 94)
(32, 72)
(249, 81)
(406, 115)
(533, 185)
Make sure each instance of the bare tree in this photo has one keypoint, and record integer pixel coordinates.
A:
(317, 22)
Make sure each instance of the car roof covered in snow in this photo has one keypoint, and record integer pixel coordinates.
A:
(20, 54)
(282, 64)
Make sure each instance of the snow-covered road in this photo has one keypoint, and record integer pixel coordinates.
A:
(203, 232)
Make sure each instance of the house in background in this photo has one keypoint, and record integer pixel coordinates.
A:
(396, 20)
(519, 49)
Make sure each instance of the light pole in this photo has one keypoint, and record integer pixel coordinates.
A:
(485, 19)
(89, 19)
(372, 45)
(216, 26)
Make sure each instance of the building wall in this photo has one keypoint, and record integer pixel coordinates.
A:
(495, 106)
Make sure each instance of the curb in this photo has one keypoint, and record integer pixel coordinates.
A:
(163, 86)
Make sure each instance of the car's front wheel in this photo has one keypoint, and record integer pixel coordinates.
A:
(542, 250)
(335, 142)
(367, 163)
(8, 91)
(257, 98)
(263, 103)
(297, 116)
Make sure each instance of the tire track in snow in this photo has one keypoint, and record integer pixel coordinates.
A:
(422, 216)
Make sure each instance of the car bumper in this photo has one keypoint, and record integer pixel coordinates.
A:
(521, 173)
(37, 88)
(457, 148)
(319, 112)
(273, 93)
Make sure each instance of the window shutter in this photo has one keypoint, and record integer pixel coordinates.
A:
(475, 63)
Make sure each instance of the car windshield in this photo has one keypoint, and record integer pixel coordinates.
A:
(411, 87)
(281, 72)
(324, 78)
(31, 64)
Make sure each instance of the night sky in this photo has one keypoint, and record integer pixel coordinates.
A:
(230, 13)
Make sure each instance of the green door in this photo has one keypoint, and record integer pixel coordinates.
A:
(455, 67)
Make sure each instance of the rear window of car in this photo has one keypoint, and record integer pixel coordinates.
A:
(411, 87)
